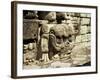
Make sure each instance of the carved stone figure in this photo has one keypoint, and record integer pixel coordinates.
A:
(61, 40)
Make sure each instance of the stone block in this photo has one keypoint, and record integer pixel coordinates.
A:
(83, 29)
(84, 37)
(88, 29)
(89, 37)
(78, 39)
(85, 21)
(83, 15)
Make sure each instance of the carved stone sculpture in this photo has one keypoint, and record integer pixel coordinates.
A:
(61, 40)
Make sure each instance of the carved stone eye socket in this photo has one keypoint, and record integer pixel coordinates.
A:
(68, 39)
(59, 40)
(58, 37)
(70, 36)
(64, 38)
(52, 32)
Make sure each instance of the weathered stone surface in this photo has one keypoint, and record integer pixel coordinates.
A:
(83, 15)
(68, 21)
(44, 45)
(88, 29)
(58, 64)
(81, 54)
(76, 20)
(43, 21)
(78, 39)
(84, 37)
(83, 29)
(32, 66)
(88, 15)
(30, 29)
(60, 39)
(89, 37)
(30, 54)
(30, 51)
(85, 21)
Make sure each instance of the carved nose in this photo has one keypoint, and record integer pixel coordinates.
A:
(61, 40)
(67, 42)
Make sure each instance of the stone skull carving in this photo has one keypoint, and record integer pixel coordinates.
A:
(61, 40)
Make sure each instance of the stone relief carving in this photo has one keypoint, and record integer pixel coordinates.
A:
(52, 39)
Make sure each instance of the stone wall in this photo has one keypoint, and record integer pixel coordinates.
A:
(81, 22)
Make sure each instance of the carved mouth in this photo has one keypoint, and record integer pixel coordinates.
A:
(63, 47)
